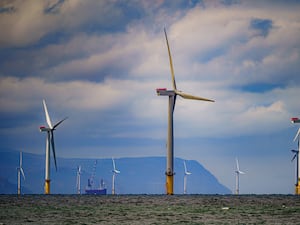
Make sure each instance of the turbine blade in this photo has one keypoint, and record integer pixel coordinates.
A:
(53, 148)
(188, 96)
(114, 166)
(21, 159)
(294, 157)
(22, 172)
(237, 165)
(298, 132)
(185, 170)
(59, 122)
(171, 63)
(174, 103)
(47, 114)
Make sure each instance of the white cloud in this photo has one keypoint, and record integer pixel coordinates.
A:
(219, 43)
(236, 56)
(29, 21)
(22, 94)
(26, 24)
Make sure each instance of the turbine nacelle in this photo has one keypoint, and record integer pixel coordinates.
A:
(186, 172)
(239, 172)
(43, 128)
(22, 172)
(116, 171)
(295, 120)
(238, 167)
(114, 167)
(165, 92)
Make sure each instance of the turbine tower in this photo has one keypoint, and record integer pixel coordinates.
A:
(186, 173)
(78, 184)
(237, 177)
(297, 185)
(20, 171)
(49, 143)
(115, 171)
(172, 94)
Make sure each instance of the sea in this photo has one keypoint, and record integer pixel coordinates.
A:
(149, 209)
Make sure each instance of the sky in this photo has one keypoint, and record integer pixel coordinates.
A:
(99, 63)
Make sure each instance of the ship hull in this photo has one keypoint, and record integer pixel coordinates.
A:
(95, 192)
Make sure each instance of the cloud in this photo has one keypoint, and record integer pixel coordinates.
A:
(26, 24)
(99, 63)
(32, 21)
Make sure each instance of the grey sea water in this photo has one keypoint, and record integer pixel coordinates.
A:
(150, 209)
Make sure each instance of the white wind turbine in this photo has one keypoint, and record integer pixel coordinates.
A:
(296, 153)
(172, 94)
(237, 177)
(186, 173)
(114, 171)
(297, 185)
(20, 171)
(78, 184)
(49, 143)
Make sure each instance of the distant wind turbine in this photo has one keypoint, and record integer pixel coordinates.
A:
(49, 143)
(172, 94)
(297, 185)
(237, 177)
(186, 173)
(115, 171)
(78, 184)
(20, 171)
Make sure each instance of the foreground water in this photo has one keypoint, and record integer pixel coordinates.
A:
(150, 209)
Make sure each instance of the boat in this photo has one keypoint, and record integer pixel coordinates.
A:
(91, 189)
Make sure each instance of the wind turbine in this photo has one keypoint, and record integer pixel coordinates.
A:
(115, 171)
(186, 173)
(296, 153)
(297, 185)
(20, 171)
(49, 143)
(172, 94)
(237, 177)
(78, 185)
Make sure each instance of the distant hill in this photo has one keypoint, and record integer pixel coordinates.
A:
(6, 187)
(144, 175)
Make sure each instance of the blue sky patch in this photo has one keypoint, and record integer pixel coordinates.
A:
(259, 88)
(262, 25)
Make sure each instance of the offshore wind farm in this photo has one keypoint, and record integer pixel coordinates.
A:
(99, 62)
(103, 75)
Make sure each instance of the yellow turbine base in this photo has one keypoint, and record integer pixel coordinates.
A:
(169, 185)
(47, 187)
(297, 188)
